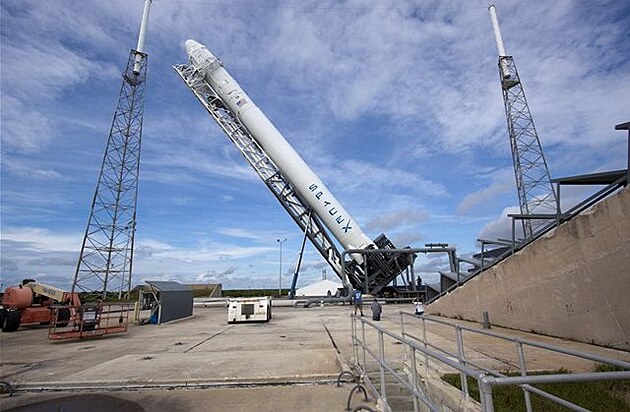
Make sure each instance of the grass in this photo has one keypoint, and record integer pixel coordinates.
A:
(605, 396)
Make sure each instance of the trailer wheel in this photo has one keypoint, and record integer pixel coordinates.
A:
(11, 321)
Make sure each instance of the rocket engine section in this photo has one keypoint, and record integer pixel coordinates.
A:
(304, 180)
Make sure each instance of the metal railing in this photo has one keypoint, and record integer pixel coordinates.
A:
(368, 340)
(364, 351)
(89, 320)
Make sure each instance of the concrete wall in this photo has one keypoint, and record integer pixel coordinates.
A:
(574, 283)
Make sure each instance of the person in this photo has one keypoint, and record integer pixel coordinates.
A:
(358, 301)
(419, 307)
(377, 309)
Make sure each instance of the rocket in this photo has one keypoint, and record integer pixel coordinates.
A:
(305, 182)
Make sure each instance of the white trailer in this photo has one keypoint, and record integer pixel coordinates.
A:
(249, 309)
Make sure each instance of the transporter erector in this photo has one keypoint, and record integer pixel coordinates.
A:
(300, 191)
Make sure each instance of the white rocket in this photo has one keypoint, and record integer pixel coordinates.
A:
(304, 180)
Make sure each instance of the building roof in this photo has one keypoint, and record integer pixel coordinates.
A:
(168, 286)
(602, 178)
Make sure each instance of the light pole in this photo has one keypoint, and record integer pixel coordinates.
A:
(280, 241)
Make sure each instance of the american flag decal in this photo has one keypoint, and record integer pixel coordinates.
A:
(241, 102)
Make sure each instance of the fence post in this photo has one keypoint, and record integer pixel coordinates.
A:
(521, 362)
(402, 323)
(381, 355)
(485, 394)
(355, 351)
(424, 341)
(402, 332)
(513, 234)
(462, 359)
(414, 379)
(364, 345)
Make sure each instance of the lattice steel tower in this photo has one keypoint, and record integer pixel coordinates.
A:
(535, 191)
(105, 262)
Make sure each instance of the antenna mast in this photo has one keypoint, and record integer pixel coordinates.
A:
(535, 191)
(105, 262)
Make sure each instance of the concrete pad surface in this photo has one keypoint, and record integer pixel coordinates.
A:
(290, 363)
(239, 365)
(305, 398)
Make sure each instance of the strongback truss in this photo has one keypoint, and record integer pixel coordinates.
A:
(282, 189)
(105, 262)
(535, 190)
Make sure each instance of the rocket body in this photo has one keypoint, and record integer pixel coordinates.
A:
(311, 189)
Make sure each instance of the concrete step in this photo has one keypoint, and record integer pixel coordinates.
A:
(399, 397)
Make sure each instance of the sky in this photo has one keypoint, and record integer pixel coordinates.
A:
(394, 104)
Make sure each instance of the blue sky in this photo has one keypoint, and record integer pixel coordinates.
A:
(395, 104)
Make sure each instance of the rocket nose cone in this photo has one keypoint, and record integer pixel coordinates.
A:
(191, 45)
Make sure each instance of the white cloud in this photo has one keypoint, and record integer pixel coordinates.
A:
(482, 199)
(45, 70)
(360, 176)
(398, 219)
(23, 128)
(501, 228)
(249, 234)
(19, 167)
(396, 105)
(41, 239)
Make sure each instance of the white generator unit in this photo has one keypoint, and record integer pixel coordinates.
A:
(249, 309)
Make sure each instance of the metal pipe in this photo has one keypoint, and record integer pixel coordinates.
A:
(521, 363)
(414, 377)
(363, 342)
(497, 31)
(485, 394)
(513, 234)
(554, 398)
(559, 378)
(381, 361)
(142, 36)
(461, 358)
(299, 260)
(280, 241)
(355, 352)
(499, 40)
(424, 339)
